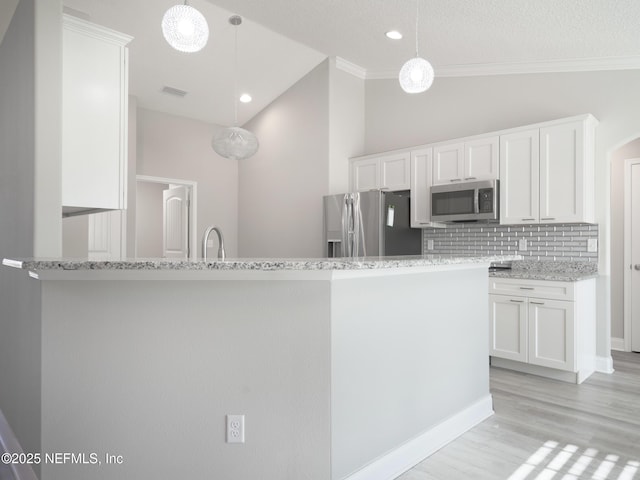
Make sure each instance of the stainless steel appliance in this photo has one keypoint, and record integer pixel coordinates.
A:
(373, 223)
(466, 202)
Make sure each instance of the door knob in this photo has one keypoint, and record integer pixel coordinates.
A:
(637, 266)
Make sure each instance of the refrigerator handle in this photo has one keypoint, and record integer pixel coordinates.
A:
(346, 221)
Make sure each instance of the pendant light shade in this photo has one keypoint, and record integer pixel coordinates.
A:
(185, 28)
(416, 75)
(235, 143)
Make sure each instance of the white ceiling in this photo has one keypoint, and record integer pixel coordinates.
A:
(281, 40)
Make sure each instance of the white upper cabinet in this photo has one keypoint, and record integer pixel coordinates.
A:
(547, 174)
(519, 177)
(481, 159)
(365, 174)
(421, 180)
(94, 117)
(566, 173)
(448, 163)
(388, 172)
(466, 161)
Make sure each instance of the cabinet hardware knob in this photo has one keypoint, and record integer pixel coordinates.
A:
(527, 288)
(548, 218)
(528, 219)
(455, 180)
(537, 303)
(637, 266)
(516, 301)
(471, 178)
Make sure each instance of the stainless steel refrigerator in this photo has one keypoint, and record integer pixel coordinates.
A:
(373, 223)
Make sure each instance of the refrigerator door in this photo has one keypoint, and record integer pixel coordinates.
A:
(399, 238)
(371, 204)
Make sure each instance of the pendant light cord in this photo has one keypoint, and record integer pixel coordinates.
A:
(417, 17)
(235, 79)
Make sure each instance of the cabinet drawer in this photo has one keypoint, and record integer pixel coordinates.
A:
(532, 288)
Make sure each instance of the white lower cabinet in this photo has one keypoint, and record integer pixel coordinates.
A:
(543, 327)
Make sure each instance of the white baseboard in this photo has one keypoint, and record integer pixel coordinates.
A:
(604, 364)
(617, 344)
(406, 456)
(9, 443)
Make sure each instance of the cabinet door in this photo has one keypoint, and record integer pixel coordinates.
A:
(365, 174)
(481, 159)
(421, 170)
(551, 334)
(448, 163)
(395, 171)
(94, 116)
(508, 327)
(519, 177)
(562, 173)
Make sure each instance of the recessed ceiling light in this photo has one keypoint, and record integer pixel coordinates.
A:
(394, 35)
(245, 98)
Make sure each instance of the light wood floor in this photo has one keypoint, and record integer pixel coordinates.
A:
(545, 429)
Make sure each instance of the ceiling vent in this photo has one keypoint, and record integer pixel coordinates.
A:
(173, 91)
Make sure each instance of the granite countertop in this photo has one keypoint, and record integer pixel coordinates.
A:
(256, 264)
(563, 271)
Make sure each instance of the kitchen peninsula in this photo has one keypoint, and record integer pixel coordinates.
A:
(343, 369)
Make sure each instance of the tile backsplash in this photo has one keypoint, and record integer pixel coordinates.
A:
(544, 241)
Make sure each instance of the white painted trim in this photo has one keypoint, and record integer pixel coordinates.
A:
(408, 455)
(352, 68)
(193, 210)
(617, 344)
(604, 364)
(9, 443)
(627, 323)
(631, 62)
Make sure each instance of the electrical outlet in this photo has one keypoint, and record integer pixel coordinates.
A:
(522, 244)
(235, 428)
(429, 244)
(592, 245)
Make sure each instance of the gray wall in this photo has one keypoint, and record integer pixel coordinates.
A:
(282, 185)
(149, 210)
(630, 150)
(30, 220)
(176, 147)
(457, 107)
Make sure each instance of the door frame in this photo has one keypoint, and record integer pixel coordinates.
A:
(193, 206)
(627, 252)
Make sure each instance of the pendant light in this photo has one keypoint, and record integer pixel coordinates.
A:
(416, 75)
(235, 142)
(185, 28)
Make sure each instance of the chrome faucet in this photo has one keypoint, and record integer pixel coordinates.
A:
(205, 239)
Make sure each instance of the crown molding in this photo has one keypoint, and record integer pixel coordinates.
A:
(631, 62)
(352, 68)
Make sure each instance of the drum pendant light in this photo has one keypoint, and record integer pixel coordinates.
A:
(235, 142)
(416, 75)
(185, 29)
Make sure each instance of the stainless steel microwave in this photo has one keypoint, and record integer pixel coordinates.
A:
(466, 202)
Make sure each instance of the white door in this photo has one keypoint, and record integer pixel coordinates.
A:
(175, 224)
(481, 159)
(508, 327)
(635, 257)
(448, 164)
(519, 177)
(551, 334)
(562, 173)
(365, 174)
(395, 172)
(105, 235)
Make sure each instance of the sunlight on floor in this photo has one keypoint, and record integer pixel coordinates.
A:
(552, 460)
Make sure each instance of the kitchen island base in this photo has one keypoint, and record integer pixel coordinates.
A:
(339, 374)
